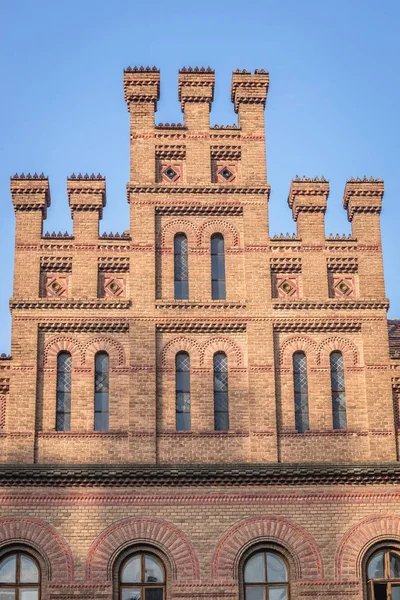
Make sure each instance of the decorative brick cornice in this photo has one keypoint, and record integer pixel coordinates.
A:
(332, 304)
(308, 195)
(342, 264)
(115, 264)
(205, 209)
(300, 325)
(282, 264)
(185, 305)
(87, 193)
(61, 304)
(56, 263)
(363, 196)
(84, 326)
(30, 192)
(201, 327)
(196, 85)
(204, 190)
(249, 88)
(226, 152)
(171, 151)
(141, 84)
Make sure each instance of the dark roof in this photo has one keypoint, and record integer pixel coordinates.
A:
(394, 337)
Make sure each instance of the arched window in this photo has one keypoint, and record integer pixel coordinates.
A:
(101, 391)
(338, 391)
(383, 575)
(64, 380)
(142, 577)
(300, 391)
(181, 267)
(182, 391)
(218, 267)
(19, 577)
(266, 577)
(221, 403)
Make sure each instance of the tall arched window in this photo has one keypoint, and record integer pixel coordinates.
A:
(182, 391)
(142, 577)
(266, 577)
(181, 267)
(383, 575)
(221, 403)
(101, 391)
(300, 392)
(338, 391)
(64, 380)
(218, 267)
(19, 577)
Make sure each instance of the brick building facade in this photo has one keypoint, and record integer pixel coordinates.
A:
(193, 409)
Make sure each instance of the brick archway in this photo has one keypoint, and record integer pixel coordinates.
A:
(45, 540)
(164, 535)
(291, 536)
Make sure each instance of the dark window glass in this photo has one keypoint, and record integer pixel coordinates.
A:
(101, 392)
(221, 404)
(142, 577)
(300, 392)
(181, 267)
(266, 577)
(383, 575)
(182, 391)
(19, 578)
(338, 391)
(218, 267)
(64, 381)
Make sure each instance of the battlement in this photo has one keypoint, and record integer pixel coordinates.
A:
(30, 192)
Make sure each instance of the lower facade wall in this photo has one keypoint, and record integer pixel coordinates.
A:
(77, 535)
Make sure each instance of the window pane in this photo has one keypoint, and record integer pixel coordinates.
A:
(217, 244)
(131, 572)
(101, 401)
(221, 402)
(277, 593)
(101, 362)
(28, 594)
(29, 571)
(380, 591)
(221, 382)
(182, 402)
(276, 569)
(394, 565)
(154, 594)
(218, 290)
(7, 594)
(181, 290)
(101, 421)
(254, 570)
(183, 381)
(8, 569)
(130, 594)
(182, 421)
(221, 421)
(254, 592)
(375, 566)
(395, 592)
(153, 570)
(218, 266)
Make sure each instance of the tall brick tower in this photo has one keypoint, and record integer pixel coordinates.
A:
(192, 408)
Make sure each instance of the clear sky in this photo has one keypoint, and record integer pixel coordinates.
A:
(332, 110)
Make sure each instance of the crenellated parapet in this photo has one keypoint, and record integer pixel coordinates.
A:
(196, 85)
(363, 196)
(141, 85)
(307, 199)
(86, 192)
(30, 192)
(249, 88)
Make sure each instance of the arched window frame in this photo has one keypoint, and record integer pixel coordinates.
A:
(338, 390)
(386, 548)
(300, 390)
(139, 550)
(101, 392)
(63, 391)
(182, 392)
(181, 267)
(221, 391)
(17, 586)
(218, 277)
(269, 548)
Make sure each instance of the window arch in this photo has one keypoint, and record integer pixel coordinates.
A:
(221, 402)
(19, 577)
(182, 391)
(300, 392)
(338, 391)
(266, 577)
(383, 575)
(218, 283)
(181, 267)
(63, 400)
(101, 391)
(141, 577)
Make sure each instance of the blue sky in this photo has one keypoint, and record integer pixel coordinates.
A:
(333, 105)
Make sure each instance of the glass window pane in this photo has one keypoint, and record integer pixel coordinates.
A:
(101, 421)
(153, 571)
(130, 594)
(131, 572)
(218, 266)
(276, 569)
(154, 594)
(217, 244)
(101, 362)
(8, 569)
(182, 402)
(375, 566)
(394, 565)
(221, 421)
(28, 594)
(380, 591)
(254, 570)
(29, 571)
(183, 421)
(183, 381)
(218, 290)
(277, 592)
(6, 594)
(255, 592)
(221, 401)
(101, 401)
(395, 592)
(181, 290)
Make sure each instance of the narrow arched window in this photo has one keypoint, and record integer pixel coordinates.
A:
(218, 267)
(182, 391)
(383, 575)
(142, 577)
(19, 577)
(266, 577)
(101, 391)
(221, 402)
(64, 381)
(181, 267)
(338, 391)
(300, 392)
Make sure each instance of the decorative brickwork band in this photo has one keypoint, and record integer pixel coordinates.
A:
(196, 85)
(165, 536)
(241, 536)
(249, 88)
(87, 193)
(363, 196)
(30, 192)
(45, 539)
(141, 85)
(308, 195)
